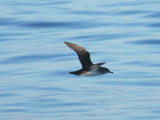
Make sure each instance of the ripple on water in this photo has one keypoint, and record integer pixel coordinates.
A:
(52, 24)
(70, 24)
(153, 15)
(2, 95)
(7, 21)
(94, 13)
(35, 83)
(148, 83)
(155, 25)
(105, 36)
(142, 63)
(146, 42)
(130, 3)
(14, 110)
(33, 58)
(55, 89)
(130, 12)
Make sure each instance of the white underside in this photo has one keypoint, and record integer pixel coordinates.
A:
(91, 73)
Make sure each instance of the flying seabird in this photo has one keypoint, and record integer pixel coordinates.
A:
(88, 68)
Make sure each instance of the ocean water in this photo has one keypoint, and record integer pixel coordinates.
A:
(35, 83)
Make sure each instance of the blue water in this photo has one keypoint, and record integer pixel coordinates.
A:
(35, 83)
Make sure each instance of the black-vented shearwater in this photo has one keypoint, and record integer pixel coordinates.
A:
(88, 68)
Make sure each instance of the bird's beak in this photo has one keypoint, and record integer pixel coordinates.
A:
(111, 72)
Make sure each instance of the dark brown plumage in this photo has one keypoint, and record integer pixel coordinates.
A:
(83, 55)
(88, 68)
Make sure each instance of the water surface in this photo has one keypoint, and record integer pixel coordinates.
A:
(34, 79)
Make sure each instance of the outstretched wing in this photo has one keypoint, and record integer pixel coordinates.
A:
(83, 55)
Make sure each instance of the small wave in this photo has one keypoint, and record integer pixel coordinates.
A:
(131, 12)
(70, 24)
(105, 36)
(153, 83)
(7, 95)
(155, 25)
(90, 12)
(154, 15)
(143, 63)
(30, 58)
(147, 42)
(14, 110)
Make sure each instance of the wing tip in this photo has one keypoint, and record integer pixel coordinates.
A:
(68, 43)
(75, 47)
(65, 42)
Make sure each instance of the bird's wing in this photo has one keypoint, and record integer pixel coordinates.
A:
(84, 55)
(100, 64)
(96, 66)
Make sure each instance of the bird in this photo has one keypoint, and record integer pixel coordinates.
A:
(88, 68)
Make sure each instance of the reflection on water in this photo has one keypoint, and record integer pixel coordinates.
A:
(35, 63)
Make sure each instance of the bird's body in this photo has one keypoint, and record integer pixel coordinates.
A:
(88, 68)
(90, 72)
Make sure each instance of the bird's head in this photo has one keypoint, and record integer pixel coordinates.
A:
(106, 70)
